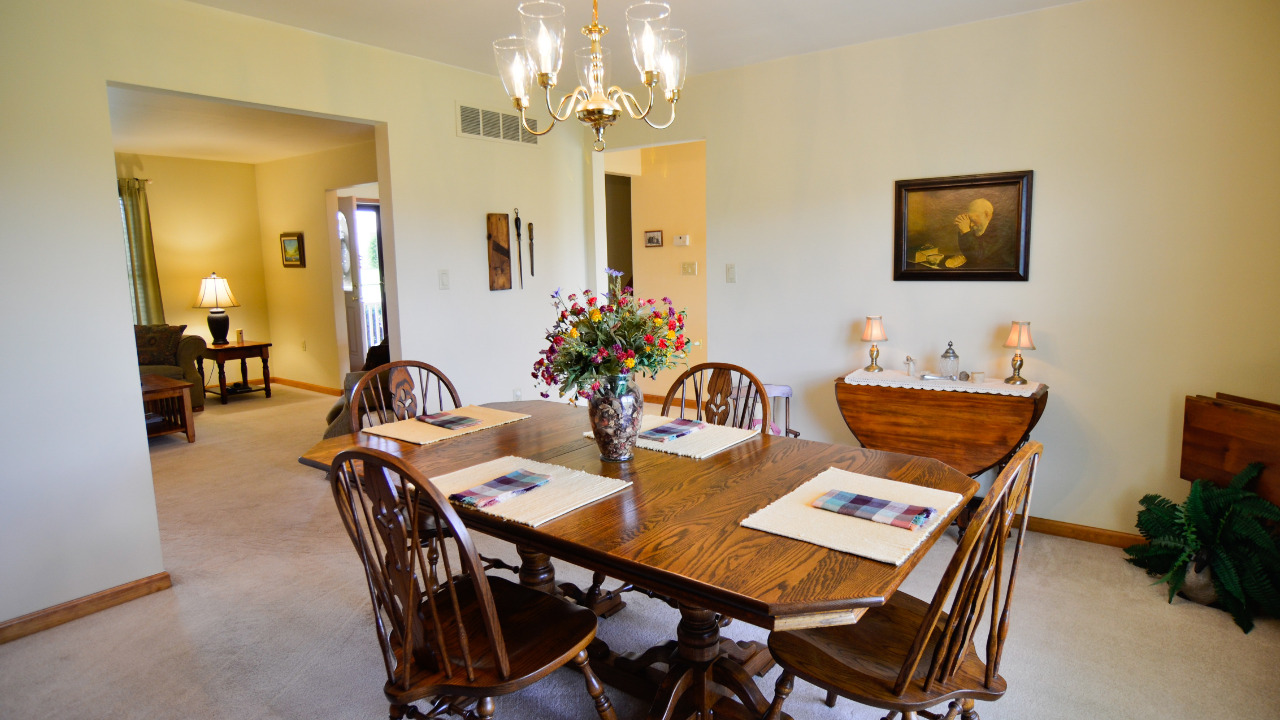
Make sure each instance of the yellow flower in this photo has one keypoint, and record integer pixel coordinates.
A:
(595, 315)
(573, 332)
(648, 348)
(657, 320)
(631, 362)
(671, 334)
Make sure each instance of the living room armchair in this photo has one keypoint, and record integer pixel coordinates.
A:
(164, 350)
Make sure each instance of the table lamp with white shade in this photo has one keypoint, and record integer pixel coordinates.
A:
(873, 333)
(1019, 339)
(215, 294)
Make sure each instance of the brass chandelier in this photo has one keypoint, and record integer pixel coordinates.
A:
(660, 54)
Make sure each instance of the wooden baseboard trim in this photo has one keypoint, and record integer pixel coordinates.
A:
(1082, 532)
(303, 386)
(80, 607)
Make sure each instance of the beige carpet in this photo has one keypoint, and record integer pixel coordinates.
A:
(269, 616)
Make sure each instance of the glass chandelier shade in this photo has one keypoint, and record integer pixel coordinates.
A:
(533, 58)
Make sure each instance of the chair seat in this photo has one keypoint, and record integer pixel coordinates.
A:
(862, 661)
(541, 634)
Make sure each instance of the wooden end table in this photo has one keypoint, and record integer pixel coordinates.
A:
(241, 351)
(168, 405)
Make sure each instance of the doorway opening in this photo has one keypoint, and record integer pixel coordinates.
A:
(359, 240)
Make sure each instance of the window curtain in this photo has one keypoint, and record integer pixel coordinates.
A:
(144, 280)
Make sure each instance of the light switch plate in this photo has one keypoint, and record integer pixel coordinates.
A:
(444, 279)
(689, 268)
(682, 241)
(730, 273)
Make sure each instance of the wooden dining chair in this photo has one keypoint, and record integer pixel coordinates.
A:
(400, 390)
(909, 655)
(449, 634)
(719, 394)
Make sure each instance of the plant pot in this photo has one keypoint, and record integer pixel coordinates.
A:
(615, 410)
(1198, 587)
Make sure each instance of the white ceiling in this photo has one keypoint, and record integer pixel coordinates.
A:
(723, 34)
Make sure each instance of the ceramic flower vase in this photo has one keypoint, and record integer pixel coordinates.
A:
(615, 410)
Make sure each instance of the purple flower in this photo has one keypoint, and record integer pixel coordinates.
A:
(545, 395)
(613, 273)
(556, 294)
(666, 300)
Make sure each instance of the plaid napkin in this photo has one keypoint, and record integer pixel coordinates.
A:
(675, 429)
(868, 508)
(499, 489)
(449, 421)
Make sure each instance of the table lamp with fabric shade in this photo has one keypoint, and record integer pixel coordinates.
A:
(1020, 339)
(873, 333)
(215, 294)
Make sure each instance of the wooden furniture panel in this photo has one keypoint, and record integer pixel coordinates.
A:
(241, 351)
(1222, 435)
(971, 432)
(170, 401)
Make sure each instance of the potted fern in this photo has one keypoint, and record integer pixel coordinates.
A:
(1225, 533)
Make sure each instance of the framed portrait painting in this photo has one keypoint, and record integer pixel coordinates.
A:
(969, 227)
(292, 250)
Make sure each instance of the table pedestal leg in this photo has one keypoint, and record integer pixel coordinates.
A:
(266, 375)
(536, 570)
(701, 677)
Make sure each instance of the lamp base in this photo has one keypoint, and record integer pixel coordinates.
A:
(1016, 378)
(875, 355)
(219, 324)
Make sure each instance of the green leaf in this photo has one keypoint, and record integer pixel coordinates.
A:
(1259, 586)
(1194, 515)
(1176, 577)
(1245, 476)
(1255, 506)
(1245, 531)
(1226, 576)
(1160, 518)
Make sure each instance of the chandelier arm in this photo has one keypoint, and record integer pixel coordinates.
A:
(525, 123)
(665, 125)
(565, 107)
(628, 101)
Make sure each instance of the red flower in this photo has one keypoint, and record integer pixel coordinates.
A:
(591, 301)
(671, 324)
(662, 344)
(648, 339)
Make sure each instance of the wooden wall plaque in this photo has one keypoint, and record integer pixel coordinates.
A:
(499, 242)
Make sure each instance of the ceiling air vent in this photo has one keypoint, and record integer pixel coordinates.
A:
(477, 122)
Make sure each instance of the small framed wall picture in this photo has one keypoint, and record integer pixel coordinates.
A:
(293, 252)
(652, 238)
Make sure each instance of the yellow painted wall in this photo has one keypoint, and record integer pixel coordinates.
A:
(204, 218)
(1151, 128)
(291, 198)
(670, 194)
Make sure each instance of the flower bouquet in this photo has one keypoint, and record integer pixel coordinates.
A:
(597, 346)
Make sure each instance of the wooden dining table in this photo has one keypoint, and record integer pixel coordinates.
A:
(676, 532)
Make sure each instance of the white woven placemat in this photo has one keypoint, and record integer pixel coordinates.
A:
(698, 445)
(897, 378)
(424, 433)
(794, 516)
(566, 491)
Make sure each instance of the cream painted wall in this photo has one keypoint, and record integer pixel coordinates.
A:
(670, 194)
(204, 218)
(1151, 128)
(63, 261)
(291, 198)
